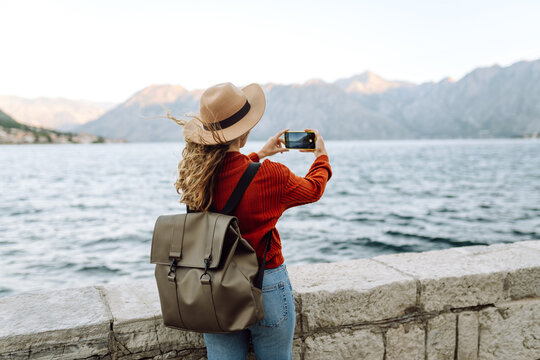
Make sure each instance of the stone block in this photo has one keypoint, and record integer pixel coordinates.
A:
(405, 341)
(510, 331)
(532, 244)
(346, 344)
(60, 324)
(138, 325)
(441, 337)
(467, 276)
(467, 340)
(350, 292)
(520, 261)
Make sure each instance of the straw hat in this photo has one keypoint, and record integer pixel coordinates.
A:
(227, 109)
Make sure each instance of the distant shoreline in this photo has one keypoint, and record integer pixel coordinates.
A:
(85, 139)
(13, 132)
(32, 135)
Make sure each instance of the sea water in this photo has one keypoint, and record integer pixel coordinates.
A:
(76, 215)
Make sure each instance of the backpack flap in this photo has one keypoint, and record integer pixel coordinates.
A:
(191, 238)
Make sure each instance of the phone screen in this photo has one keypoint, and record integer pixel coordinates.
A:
(299, 140)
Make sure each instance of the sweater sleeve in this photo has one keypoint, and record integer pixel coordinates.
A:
(310, 188)
(254, 157)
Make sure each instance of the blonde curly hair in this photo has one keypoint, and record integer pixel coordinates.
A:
(198, 168)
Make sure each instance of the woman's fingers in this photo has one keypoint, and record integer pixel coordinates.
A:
(281, 132)
(279, 147)
(313, 130)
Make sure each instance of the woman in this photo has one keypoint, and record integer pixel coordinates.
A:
(211, 166)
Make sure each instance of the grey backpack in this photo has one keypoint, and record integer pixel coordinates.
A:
(208, 276)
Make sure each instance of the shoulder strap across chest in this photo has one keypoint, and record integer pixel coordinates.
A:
(238, 191)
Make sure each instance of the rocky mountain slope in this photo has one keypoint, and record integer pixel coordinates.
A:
(142, 116)
(488, 102)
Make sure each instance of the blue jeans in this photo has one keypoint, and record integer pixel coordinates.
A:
(272, 336)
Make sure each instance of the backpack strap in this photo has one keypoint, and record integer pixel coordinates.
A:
(238, 191)
(240, 188)
(260, 274)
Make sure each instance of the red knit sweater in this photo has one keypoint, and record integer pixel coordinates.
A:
(273, 190)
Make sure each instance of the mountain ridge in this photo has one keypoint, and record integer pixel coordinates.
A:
(486, 102)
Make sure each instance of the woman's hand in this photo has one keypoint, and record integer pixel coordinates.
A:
(319, 144)
(273, 146)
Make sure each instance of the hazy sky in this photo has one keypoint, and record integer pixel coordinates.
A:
(108, 50)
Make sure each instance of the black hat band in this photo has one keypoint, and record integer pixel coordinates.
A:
(231, 120)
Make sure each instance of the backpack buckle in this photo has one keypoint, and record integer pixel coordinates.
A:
(171, 276)
(208, 278)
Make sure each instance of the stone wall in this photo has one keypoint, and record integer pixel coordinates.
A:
(478, 302)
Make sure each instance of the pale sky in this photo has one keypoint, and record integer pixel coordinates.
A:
(108, 50)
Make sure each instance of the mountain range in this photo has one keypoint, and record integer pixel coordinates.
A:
(314, 104)
(487, 102)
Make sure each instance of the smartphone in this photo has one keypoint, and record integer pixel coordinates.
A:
(300, 140)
